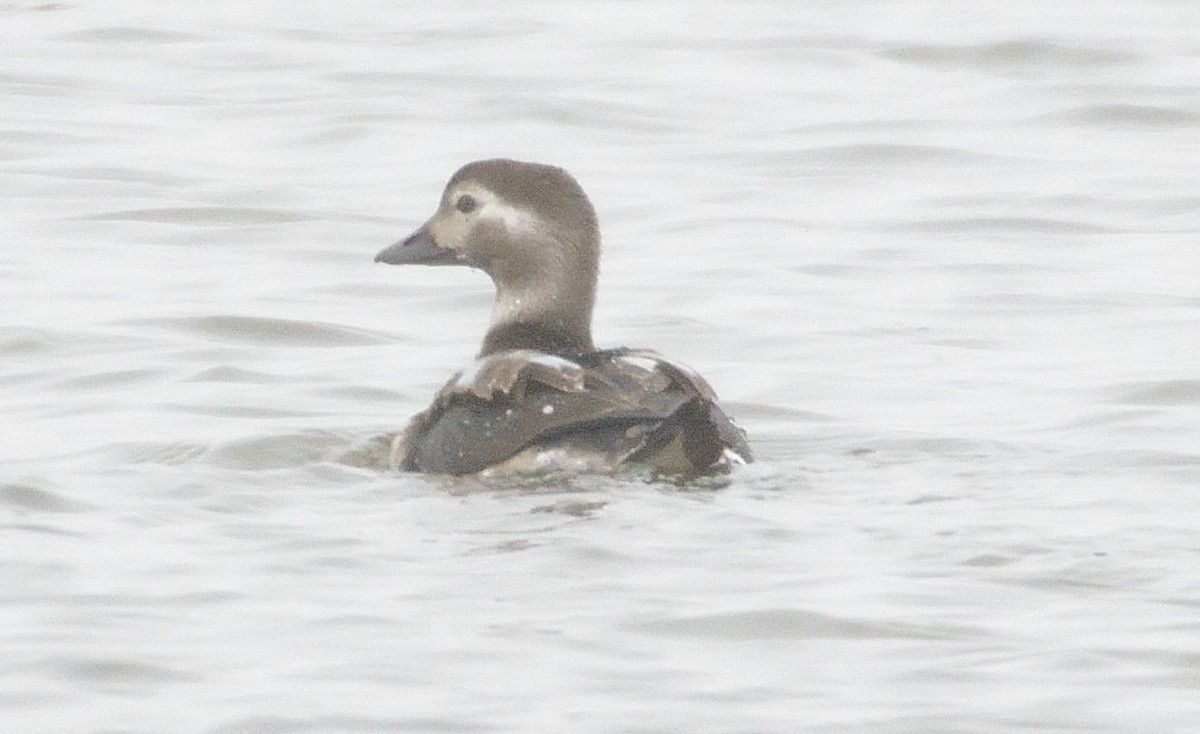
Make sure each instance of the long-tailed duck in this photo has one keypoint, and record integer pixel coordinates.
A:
(540, 396)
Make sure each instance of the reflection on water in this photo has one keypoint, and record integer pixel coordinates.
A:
(939, 262)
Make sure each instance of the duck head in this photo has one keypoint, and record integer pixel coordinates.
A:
(532, 229)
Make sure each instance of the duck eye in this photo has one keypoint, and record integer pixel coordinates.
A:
(466, 204)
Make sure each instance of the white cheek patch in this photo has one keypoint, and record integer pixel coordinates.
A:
(492, 208)
(517, 221)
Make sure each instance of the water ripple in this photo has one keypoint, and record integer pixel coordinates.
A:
(259, 453)
(203, 215)
(30, 497)
(1008, 225)
(116, 671)
(775, 624)
(267, 331)
(1164, 392)
(1032, 55)
(1132, 116)
(130, 34)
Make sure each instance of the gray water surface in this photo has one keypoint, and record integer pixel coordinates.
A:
(940, 261)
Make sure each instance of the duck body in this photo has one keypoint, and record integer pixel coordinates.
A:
(540, 397)
(523, 411)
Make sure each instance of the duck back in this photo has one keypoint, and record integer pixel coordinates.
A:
(526, 411)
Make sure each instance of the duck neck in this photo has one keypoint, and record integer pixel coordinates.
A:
(549, 312)
(538, 337)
